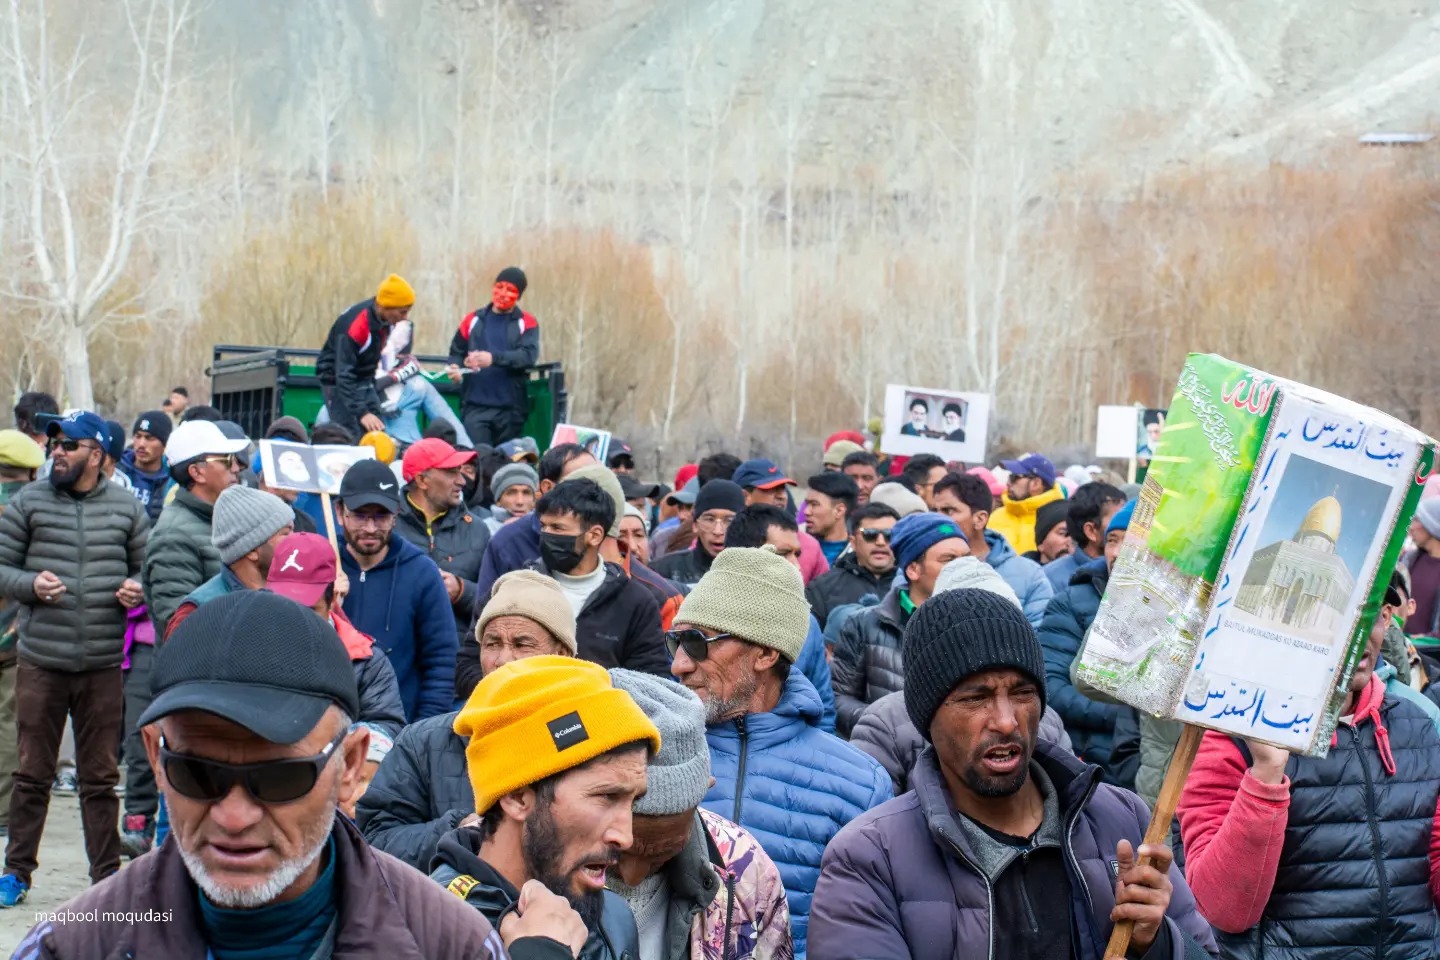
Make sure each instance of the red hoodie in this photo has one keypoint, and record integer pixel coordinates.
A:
(1233, 825)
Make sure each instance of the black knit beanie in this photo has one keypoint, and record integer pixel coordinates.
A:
(513, 275)
(957, 634)
(1049, 517)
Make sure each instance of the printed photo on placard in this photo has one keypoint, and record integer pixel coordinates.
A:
(299, 466)
(947, 423)
(596, 442)
(1147, 440)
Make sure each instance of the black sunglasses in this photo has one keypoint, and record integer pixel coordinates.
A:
(871, 534)
(66, 444)
(274, 781)
(695, 644)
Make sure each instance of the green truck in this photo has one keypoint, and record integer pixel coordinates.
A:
(254, 385)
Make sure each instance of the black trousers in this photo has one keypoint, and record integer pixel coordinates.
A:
(492, 425)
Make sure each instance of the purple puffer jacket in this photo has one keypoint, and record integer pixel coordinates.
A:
(898, 881)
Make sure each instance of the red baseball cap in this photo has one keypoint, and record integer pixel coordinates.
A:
(851, 435)
(432, 453)
(303, 566)
(683, 475)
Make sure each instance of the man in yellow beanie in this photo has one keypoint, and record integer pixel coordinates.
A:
(777, 774)
(347, 361)
(556, 758)
(421, 792)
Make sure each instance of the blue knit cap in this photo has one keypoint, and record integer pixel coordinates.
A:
(915, 534)
(1121, 520)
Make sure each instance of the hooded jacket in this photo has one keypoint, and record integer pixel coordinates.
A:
(846, 582)
(381, 709)
(726, 897)
(456, 541)
(907, 881)
(792, 786)
(384, 909)
(1340, 860)
(348, 359)
(867, 662)
(1090, 723)
(401, 602)
(513, 342)
(457, 867)
(886, 732)
(1015, 520)
(1025, 577)
(148, 488)
(92, 543)
(179, 556)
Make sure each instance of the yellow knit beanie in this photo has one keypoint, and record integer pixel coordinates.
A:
(395, 292)
(537, 717)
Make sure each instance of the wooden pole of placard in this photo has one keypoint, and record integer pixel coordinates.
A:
(1159, 830)
(1134, 469)
(330, 525)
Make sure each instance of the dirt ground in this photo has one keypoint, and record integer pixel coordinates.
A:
(63, 873)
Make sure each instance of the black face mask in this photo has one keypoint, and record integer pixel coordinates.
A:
(561, 552)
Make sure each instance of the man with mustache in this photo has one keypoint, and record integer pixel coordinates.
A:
(70, 554)
(557, 757)
(1002, 838)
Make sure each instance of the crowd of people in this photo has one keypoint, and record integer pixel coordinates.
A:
(528, 705)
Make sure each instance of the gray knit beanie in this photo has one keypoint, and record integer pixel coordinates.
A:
(755, 594)
(244, 519)
(968, 573)
(513, 475)
(1428, 513)
(603, 475)
(678, 777)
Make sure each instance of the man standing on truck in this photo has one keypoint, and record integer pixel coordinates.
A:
(347, 361)
(490, 355)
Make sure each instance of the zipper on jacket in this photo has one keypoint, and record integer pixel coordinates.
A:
(1025, 892)
(740, 774)
(80, 554)
(725, 951)
(1384, 879)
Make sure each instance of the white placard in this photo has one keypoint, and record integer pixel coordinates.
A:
(287, 465)
(951, 425)
(1115, 431)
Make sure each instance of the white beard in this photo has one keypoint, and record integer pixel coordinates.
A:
(248, 898)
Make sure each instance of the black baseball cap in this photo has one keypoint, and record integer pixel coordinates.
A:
(258, 660)
(370, 483)
(619, 450)
(635, 490)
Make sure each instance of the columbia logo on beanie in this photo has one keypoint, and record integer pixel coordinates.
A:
(568, 731)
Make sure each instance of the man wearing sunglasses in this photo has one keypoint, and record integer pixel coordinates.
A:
(70, 550)
(864, 570)
(777, 774)
(251, 730)
(180, 556)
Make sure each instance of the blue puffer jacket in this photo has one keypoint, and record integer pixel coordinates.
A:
(1025, 577)
(1090, 723)
(813, 664)
(792, 786)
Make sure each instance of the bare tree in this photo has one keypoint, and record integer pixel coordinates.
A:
(81, 239)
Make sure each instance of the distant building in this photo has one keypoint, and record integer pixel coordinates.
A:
(1302, 582)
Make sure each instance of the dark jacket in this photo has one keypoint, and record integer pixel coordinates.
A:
(867, 661)
(517, 336)
(348, 360)
(1090, 723)
(148, 488)
(846, 582)
(457, 867)
(381, 708)
(513, 547)
(92, 543)
(792, 787)
(456, 541)
(179, 556)
(402, 603)
(886, 732)
(906, 880)
(420, 793)
(213, 589)
(685, 567)
(386, 910)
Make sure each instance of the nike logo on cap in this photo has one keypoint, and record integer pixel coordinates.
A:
(386, 486)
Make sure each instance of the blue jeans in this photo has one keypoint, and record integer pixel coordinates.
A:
(417, 394)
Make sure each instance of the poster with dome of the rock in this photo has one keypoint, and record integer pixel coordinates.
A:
(1257, 556)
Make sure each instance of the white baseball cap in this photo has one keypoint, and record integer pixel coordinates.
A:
(199, 438)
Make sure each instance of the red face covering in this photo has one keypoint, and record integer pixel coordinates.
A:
(504, 296)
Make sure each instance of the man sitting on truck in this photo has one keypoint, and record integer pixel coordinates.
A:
(347, 361)
(490, 355)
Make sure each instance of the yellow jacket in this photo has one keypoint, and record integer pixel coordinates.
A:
(1015, 521)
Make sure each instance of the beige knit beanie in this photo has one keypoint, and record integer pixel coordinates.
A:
(534, 596)
(756, 595)
(604, 476)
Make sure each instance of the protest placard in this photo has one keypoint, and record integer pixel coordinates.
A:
(951, 425)
(287, 465)
(594, 440)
